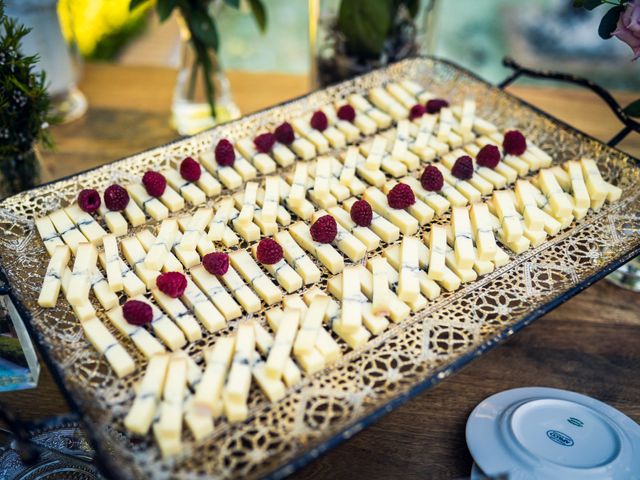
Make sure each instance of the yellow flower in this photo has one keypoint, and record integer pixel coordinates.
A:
(87, 22)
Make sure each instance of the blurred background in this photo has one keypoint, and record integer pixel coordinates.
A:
(474, 33)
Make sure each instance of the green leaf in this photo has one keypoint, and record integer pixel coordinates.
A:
(365, 25)
(591, 4)
(164, 8)
(233, 3)
(136, 3)
(609, 22)
(203, 27)
(633, 109)
(259, 13)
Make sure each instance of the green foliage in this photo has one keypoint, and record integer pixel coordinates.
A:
(633, 109)
(11, 350)
(366, 25)
(609, 22)
(24, 103)
(204, 33)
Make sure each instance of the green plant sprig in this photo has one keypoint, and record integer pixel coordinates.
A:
(607, 26)
(204, 32)
(24, 102)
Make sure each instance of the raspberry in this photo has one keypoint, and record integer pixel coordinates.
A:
(319, 121)
(172, 284)
(435, 105)
(401, 196)
(269, 251)
(417, 111)
(431, 179)
(225, 154)
(488, 156)
(346, 112)
(137, 313)
(284, 133)
(514, 142)
(264, 142)
(324, 230)
(361, 213)
(190, 170)
(116, 198)
(463, 168)
(216, 263)
(155, 183)
(89, 200)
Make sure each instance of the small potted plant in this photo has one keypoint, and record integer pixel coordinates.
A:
(24, 111)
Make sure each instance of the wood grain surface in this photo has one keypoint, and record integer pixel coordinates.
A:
(588, 345)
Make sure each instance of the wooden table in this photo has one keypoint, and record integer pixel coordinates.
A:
(589, 344)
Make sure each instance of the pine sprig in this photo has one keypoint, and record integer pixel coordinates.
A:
(24, 102)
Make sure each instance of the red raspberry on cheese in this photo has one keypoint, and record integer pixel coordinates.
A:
(324, 230)
(89, 200)
(172, 284)
(401, 196)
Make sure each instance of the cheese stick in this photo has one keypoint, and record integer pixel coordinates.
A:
(249, 203)
(202, 307)
(462, 237)
(401, 95)
(428, 287)
(107, 298)
(595, 184)
(324, 252)
(407, 224)
(369, 239)
(437, 249)
(143, 410)
(150, 205)
(48, 234)
(297, 258)
(283, 273)
(189, 191)
(236, 390)
(112, 263)
(168, 429)
(83, 265)
(419, 210)
(302, 128)
(385, 102)
(228, 176)
(53, 277)
(251, 272)
(502, 201)
(558, 200)
(157, 254)
(424, 138)
(385, 230)
(281, 349)
(212, 287)
(360, 104)
(398, 310)
(408, 285)
(87, 224)
(179, 313)
(526, 204)
(298, 185)
(351, 318)
(106, 344)
(115, 221)
(83, 311)
(141, 338)
(310, 325)
(271, 199)
(263, 162)
(482, 232)
(264, 342)
(242, 293)
(381, 297)
(67, 230)
(439, 204)
(208, 394)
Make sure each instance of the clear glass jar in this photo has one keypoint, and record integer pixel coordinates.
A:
(190, 110)
(338, 54)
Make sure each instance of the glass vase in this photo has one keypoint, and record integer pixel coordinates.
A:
(627, 276)
(19, 172)
(333, 59)
(190, 110)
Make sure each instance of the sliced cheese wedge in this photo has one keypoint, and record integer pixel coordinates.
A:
(83, 266)
(253, 275)
(236, 390)
(106, 344)
(48, 234)
(69, 232)
(324, 252)
(297, 258)
(87, 224)
(168, 429)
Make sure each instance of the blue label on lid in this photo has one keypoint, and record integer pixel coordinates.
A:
(560, 438)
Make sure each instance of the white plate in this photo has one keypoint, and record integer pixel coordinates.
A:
(532, 433)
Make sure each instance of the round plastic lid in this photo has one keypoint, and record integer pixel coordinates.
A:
(552, 434)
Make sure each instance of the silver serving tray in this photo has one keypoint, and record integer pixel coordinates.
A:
(330, 406)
